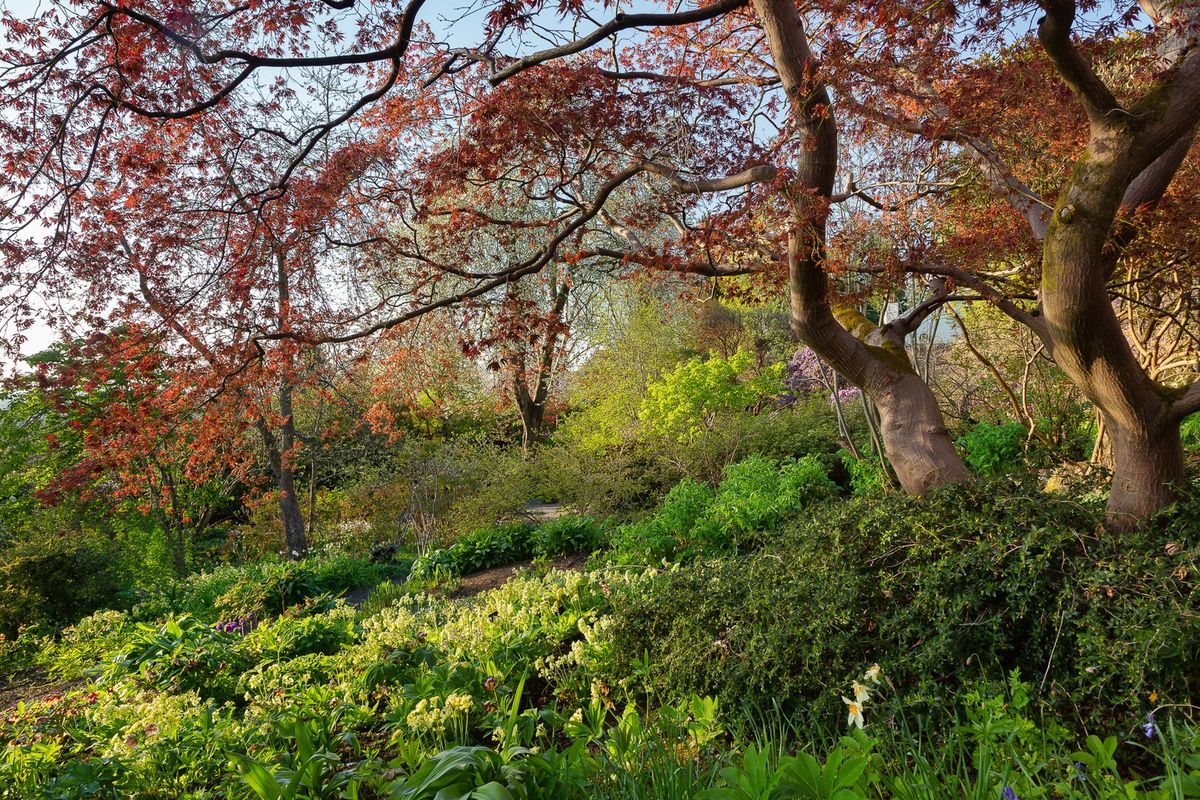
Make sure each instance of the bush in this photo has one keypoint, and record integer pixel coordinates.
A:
(993, 449)
(180, 655)
(972, 581)
(481, 549)
(567, 535)
(686, 401)
(755, 497)
(804, 428)
(758, 495)
(54, 580)
(261, 588)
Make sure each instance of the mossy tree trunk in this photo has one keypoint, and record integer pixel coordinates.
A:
(1131, 157)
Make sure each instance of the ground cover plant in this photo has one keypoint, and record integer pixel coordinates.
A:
(893, 655)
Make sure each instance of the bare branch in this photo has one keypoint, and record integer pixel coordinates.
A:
(620, 22)
(1054, 32)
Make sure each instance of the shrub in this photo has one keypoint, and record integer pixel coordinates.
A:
(179, 655)
(756, 496)
(481, 549)
(1189, 430)
(686, 401)
(293, 636)
(54, 580)
(993, 449)
(867, 475)
(808, 427)
(967, 582)
(567, 535)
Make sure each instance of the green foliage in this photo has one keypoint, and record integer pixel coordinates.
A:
(179, 655)
(1189, 429)
(687, 400)
(258, 589)
(643, 341)
(480, 549)
(993, 449)
(513, 694)
(963, 582)
(55, 580)
(755, 497)
(566, 535)
(506, 544)
(867, 475)
(298, 633)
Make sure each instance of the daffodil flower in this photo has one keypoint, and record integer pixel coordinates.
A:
(861, 693)
(854, 712)
(873, 674)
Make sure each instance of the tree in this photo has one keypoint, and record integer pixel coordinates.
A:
(125, 439)
(659, 133)
(1085, 193)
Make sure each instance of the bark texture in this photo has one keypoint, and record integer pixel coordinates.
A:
(914, 432)
(1130, 159)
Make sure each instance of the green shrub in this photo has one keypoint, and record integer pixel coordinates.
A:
(867, 475)
(758, 495)
(684, 402)
(808, 427)
(179, 655)
(968, 582)
(683, 507)
(755, 497)
(1189, 430)
(993, 449)
(480, 549)
(88, 641)
(289, 636)
(54, 580)
(566, 535)
(261, 588)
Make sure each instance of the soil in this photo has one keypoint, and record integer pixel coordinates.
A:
(31, 686)
(471, 585)
(482, 581)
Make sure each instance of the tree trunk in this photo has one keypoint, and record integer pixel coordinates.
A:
(533, 417)
(289, 503)
(1089, 343)
(914, 432)
(915, 437)
(532, 405)
(1148, 473)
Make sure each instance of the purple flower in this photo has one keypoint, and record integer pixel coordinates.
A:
(1009, 794)
(1148, 727)
(803, 372)
(845, 395)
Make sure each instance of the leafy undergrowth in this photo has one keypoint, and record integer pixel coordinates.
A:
(727, 677)
(498, 696)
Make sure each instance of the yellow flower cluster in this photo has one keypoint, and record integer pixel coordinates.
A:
(436, 717)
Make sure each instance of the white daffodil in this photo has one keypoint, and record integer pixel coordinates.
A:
(873, 674)
(854, 713)
(861, 693)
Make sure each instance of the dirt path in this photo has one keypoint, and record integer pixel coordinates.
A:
(34, 686)
(476, 582)
(471, 585)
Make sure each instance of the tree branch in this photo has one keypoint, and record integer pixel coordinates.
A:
(620, 22)
(1054, 32)
(761, 173)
